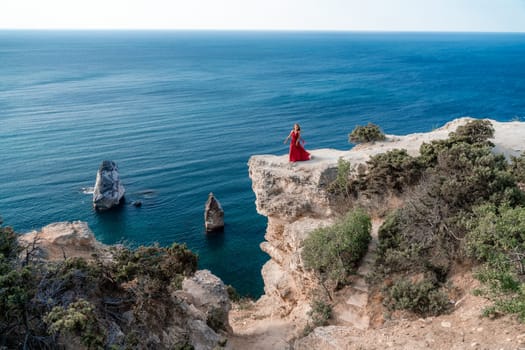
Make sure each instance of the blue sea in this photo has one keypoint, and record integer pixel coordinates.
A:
(181, 112)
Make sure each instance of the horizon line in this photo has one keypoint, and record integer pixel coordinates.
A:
(268, 30)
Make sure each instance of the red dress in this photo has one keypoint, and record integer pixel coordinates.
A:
(297, 151)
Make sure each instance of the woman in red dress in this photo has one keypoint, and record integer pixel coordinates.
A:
(297, 151)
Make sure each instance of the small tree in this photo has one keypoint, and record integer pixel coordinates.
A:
(368, 133)
(391, 171)
(475, 131)
(342, 183)
(517, 168)
(17, 289)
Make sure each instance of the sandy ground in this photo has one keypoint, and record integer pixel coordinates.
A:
(464, 328)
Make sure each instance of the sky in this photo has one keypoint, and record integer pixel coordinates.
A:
(351, 15)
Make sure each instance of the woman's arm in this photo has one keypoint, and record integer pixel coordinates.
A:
(298, 138)
(286, 139)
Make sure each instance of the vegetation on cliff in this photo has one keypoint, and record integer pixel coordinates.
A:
(497, 239)
(366, 133)
(334, 252)
(461, 204)
(118, 303)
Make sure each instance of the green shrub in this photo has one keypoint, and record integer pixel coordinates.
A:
(388, 232)
(475, 131)
(163, 264)
(505, 288)
(215, 319)
(319, 315)
(18, 286)
(78, 319)
(232, 293)
(497, 238)
(496, 234)
(368, 133)
(423, 297)
(320, 312)
(427, 234)
(464, 176)
(9, 248)
(343, 181)
(472, 174)
(77, 297)
(334, 252)
(517, 168)
(390, 171)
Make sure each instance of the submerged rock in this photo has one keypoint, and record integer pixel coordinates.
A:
(213, 215)
(108, 191)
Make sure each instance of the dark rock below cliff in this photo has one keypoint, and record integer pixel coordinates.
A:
(213, 215)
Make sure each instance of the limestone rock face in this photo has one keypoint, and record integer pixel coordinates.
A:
(60, 239)
(208, 294)
(295, 199)
(108, 190)
(77, 234)
(213, 214)
(329, 338)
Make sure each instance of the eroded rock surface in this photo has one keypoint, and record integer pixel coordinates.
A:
(213, 214)
(60, 240)
(208, 294)
(108, 191)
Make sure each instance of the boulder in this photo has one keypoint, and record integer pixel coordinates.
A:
(213, 215)
(64, 239)
(108, 191)
(208, 294)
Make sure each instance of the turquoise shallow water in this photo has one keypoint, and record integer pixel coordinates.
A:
(182, 112)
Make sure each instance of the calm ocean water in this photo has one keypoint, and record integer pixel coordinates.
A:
(181, 113)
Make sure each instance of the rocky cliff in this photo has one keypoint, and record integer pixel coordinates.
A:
(294, 198)
(195, 313)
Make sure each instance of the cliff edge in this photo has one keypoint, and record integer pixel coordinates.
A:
(294, 198)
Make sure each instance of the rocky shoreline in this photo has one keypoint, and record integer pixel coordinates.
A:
(202, 296)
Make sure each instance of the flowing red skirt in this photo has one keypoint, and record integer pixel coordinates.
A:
(298, 153)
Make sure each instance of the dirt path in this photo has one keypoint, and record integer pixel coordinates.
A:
(462, 329)
(256, 329)
(265, 334)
